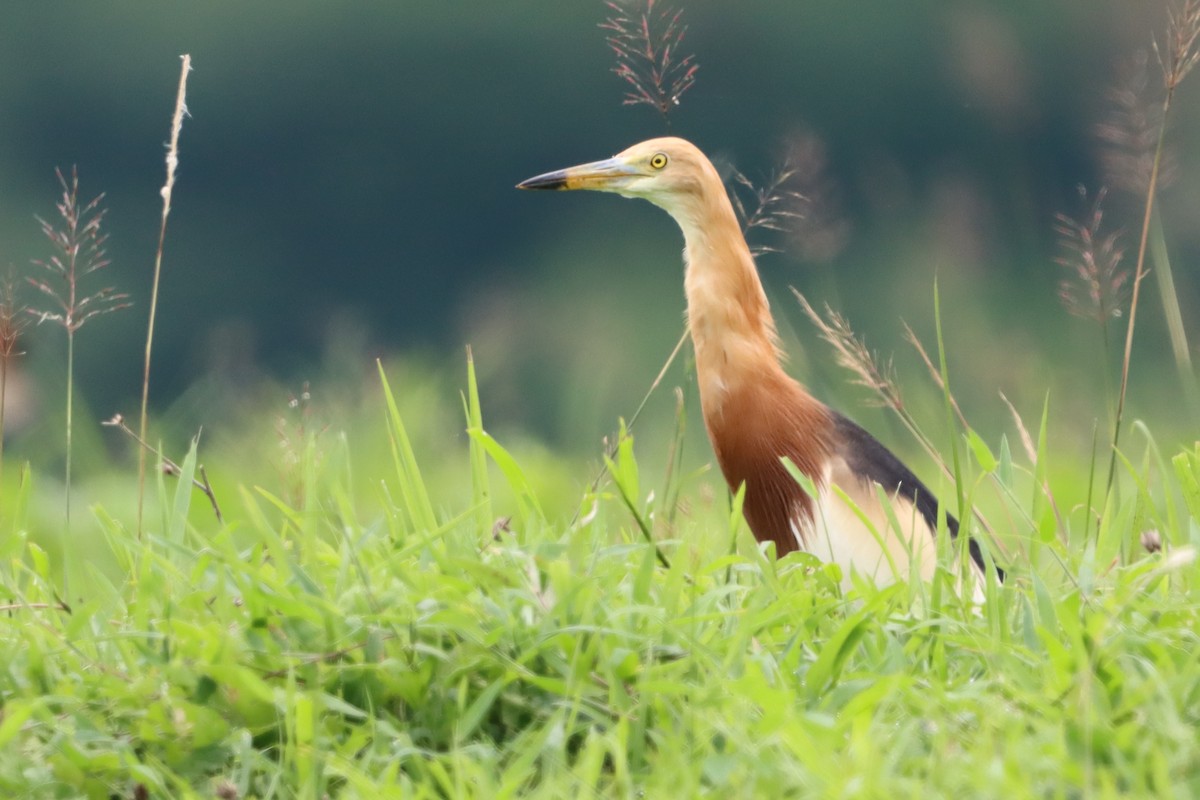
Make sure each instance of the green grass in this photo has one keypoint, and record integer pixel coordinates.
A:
(361, 626)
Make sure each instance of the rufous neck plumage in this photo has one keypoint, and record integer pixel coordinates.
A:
(728, 313)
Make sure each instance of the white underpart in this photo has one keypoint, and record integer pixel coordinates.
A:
(839, 534)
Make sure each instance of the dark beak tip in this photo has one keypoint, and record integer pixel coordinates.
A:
(551, 180)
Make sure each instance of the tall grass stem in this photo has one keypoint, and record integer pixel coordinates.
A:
(70, 426)
(1138, 273)
(948, 398)
(172, 163)
(1177, 58)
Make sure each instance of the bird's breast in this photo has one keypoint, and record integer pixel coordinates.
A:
(757, 424)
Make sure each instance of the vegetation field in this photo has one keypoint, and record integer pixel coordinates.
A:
(365, 590)
(393, 612)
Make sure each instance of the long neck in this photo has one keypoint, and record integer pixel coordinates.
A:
(728, 313)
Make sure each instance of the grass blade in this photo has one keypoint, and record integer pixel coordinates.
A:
(1172, 314)
(408, 473)
(517, 480)
(183, 496)
(481, 490)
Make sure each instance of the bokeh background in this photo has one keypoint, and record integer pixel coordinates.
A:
(346, 192)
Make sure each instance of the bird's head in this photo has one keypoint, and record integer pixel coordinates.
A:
(670, 172)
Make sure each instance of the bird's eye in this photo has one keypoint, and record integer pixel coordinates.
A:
(658, 160)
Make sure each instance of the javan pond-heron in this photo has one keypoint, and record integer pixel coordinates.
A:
(755, 413)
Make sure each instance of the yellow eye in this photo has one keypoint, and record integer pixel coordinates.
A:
(658, 160)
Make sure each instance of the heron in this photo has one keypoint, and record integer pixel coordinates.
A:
(756, 415)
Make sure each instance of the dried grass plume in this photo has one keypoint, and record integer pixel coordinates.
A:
(647, 44)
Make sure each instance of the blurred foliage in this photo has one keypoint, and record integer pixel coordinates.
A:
(346, 187)
(356, 629)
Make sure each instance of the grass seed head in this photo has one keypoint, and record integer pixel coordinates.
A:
(647, 44)
(1179, 52)
(773, 205)
(78, 250)
(1128, 135)
(1096, 287)
(13, 319)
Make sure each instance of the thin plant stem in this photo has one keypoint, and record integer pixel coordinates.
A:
(78, 251)
(1180, 56)
(1087, 506)
(611, 450)
(1108, 376)
(1138, 274)
(643, 526)
(70, 426)
(8, 607)
(172, 163)
(71, 303)
(172, 468)
(950, 403)
(675, 459)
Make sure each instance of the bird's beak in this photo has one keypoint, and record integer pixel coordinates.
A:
(608, 175)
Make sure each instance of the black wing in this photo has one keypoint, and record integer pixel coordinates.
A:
(869, 458)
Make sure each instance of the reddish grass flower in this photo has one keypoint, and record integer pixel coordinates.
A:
(647, 45)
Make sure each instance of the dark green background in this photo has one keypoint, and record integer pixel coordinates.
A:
(345, 187)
